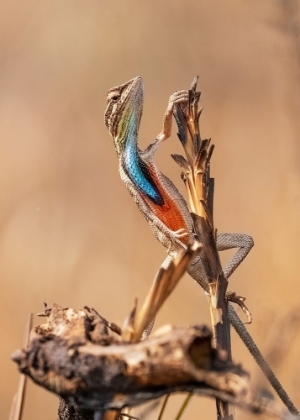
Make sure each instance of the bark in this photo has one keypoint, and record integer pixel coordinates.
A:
(75, 356)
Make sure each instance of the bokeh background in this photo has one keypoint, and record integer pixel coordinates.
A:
(70, 232)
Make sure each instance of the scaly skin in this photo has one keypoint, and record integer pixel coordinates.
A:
(155, 195)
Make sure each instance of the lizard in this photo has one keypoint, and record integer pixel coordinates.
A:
(160, 202)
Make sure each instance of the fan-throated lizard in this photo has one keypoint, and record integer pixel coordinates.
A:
(156, 196)
(158, 199)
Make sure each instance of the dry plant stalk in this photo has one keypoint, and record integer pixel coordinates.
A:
(162, 286)
(18, 399)
(200, 188)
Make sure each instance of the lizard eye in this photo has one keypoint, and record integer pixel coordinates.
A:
(114, 96)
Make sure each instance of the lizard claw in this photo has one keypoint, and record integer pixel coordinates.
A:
(181, 233)
(175, 239)
(178, 235)
(239, 300)
(181, 96)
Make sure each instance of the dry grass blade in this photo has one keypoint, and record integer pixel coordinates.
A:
(161, 413)
(18, 399)
(128, 325)
(164, 283)
(183, 406)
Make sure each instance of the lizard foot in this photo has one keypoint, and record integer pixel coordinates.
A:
(175, 239)
(180, 233)
(181, 96)
(239, 300)
(178, 97)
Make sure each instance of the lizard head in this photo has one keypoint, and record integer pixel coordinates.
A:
(124, 110)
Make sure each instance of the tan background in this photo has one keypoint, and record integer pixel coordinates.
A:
(70, 232)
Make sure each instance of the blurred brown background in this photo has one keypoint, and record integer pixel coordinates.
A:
(71, 234)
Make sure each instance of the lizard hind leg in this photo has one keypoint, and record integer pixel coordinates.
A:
(243, 242)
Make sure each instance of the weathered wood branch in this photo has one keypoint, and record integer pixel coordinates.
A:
(75, 356)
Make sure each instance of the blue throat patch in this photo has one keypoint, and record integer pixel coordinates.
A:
(139, 173)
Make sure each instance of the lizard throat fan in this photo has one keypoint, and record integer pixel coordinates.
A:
(122, 118)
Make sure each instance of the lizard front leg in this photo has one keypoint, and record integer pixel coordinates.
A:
(181, 96)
